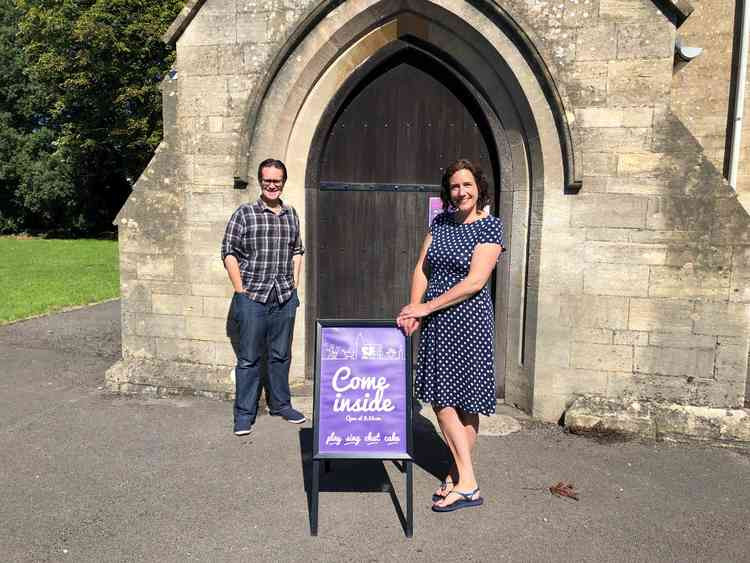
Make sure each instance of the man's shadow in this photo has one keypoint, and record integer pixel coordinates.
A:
(363, 476)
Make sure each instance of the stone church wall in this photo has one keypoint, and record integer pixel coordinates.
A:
(643, 274)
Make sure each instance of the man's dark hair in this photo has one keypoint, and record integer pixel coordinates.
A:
(271, 163)
(483, 187)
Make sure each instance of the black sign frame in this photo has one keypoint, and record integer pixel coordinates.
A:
(404, 461)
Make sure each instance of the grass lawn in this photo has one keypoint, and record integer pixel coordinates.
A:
(42, 275)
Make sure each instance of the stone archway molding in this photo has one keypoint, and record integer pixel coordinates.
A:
(333, 17)
(484, 55)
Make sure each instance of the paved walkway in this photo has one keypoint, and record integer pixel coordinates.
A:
(87, 476)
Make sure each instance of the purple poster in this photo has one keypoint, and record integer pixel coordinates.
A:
(435, 209)
(362, 392)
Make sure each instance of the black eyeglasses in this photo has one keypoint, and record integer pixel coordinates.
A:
(272, 182)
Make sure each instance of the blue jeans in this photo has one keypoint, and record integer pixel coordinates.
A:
(262, 328)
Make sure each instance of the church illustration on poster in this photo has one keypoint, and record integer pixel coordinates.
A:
(362, 349)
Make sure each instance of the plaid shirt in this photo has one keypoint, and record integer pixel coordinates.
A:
(264, 244)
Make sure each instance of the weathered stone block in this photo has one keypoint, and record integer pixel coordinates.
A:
(239, 89)
(616, 279)
(638, 82)
(594, 184)
(136, 297)
(197, 60)
(138, 346)
(216, 124)
(570, 382)
(630, 338)
(675, 361)
(624, 253)
(168, 326)
(658, 419)
(704, 258)
(210, 290)
(172, 288)
(217, 307)
(654, 40)
(614, 139)
(646, 236)
(596, 43)
(740, 281)
(668, 281)
(662, 315)
(206, 207)
(722, 318)
(732, 362)
(604, 357)
(595, 311)
(580, 14)
(155, 267)
(647, 386)
(558, 271)
(639, 186)
(206, 328)
(202, 268)
(599, 117)
(214, 170)
(628, 10)
(193, 351)
(638, 117)
(135, 241)
(211, 29)
(681, 340)
(205, 238)
(612, 211)
(251, 28)
(186, 305)
(586, 83)
(554, 339)
(610, 235)
(739, 290)
(641, 163)
(220, 144)
(201, 96)
(594, 335)
(599, 164)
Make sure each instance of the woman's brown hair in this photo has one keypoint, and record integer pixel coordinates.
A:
(483, 187)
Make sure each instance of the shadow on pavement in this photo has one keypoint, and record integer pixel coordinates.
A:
(370, 476)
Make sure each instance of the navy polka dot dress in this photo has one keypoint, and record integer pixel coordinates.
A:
(455, 364)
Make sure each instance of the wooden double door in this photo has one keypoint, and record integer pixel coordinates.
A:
(382, 161)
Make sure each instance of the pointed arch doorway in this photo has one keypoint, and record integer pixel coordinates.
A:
(377, 159)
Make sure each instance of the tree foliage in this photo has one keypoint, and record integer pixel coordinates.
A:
(80, 107)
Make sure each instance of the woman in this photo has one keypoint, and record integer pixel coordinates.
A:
(455, 370)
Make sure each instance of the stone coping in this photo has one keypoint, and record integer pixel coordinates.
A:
(658, 420)
(183, 19)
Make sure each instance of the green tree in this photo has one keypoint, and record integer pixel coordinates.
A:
(90, 105)
(25, 142)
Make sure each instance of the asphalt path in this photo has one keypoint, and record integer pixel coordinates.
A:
(90, 476)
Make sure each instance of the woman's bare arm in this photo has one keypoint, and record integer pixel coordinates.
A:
(418, 287)
(483, 262)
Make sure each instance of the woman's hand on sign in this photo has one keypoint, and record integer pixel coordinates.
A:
(408, 325)
(415, 311)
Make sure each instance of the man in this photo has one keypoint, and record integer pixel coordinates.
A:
(262, 253)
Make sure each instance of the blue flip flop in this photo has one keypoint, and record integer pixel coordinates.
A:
(465, 502)
(443, 485)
